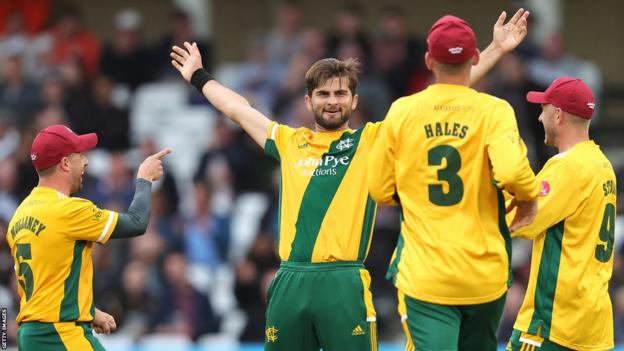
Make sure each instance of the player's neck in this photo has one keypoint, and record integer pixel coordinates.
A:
(320, 129)
(457, 79)
(567, 142)
(54, 183)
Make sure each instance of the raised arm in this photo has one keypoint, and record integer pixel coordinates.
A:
(505, 37)
(134, 222)
(234, 106)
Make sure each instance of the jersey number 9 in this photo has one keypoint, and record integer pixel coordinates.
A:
(604, 250)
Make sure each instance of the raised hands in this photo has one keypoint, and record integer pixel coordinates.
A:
(509, 35)
(186, 61)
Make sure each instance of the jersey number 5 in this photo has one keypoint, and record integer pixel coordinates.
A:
(448, 174)
(604, 250)
(24, 273)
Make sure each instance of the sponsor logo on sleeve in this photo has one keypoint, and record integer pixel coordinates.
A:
(544, 188)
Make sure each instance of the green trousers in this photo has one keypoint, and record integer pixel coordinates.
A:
(320, 305)
(433, 327)
(63, 336)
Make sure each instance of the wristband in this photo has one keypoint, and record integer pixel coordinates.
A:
(200, 77)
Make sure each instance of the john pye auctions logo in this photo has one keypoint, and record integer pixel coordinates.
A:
(321, 166)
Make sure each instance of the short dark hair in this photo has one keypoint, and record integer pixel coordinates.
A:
(328, 68)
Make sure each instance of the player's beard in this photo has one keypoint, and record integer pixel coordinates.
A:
(331, 124)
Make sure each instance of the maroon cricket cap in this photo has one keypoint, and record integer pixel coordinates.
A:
(53, 143)
(569, 94)
(451, 40)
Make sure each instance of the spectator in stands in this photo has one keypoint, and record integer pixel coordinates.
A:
(14, 39)
(206, 236)
(348, 28)
(9, 135)
(181, 31)
(313, 44)
(18, 95)
(8, 179)
(237, 148)
(183, 309)
(139, 305)
(34, 14)
(291, 88)
(111, 122)
(22, 22)
(251, 285)
(284, 39)
(72, 41)
(127, 60)
(398, 57)
(555, 62)
(115, 188)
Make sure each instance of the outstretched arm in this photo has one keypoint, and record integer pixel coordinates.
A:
(505, 37)
(188, 62)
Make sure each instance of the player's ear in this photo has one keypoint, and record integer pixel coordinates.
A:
(308, 102)
(476, 57)
(64, 164)
(354, 103)
(429, 61)
(560, 117)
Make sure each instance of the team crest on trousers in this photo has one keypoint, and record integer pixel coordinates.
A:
(271, 334)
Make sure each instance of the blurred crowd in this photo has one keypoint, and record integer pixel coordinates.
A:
(203, 267)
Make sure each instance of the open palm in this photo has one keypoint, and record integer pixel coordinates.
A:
(186, 61)
(508, 35)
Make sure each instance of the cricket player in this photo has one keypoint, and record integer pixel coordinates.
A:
(320, 297)
(444, 154)
(567, 304)
(51, 236)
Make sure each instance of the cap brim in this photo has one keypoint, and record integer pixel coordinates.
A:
(87, 142)
(536, 97)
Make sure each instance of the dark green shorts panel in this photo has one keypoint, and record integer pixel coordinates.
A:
(516, 345)
(310, 309)
(479, 325)
(39, 336)
(434, 327)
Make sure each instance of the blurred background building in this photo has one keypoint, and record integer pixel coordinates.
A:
(199, 275)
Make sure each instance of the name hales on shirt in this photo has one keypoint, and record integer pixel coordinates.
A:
(445, 129)
(29, 223)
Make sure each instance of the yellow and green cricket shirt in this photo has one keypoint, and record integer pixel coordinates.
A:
(567, 299)
(325, 213)
(445, 153)
(51, 237)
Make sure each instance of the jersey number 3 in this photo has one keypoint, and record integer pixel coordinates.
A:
(24, 273)
(447, 174)
(604, 250)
